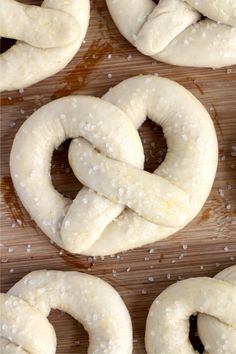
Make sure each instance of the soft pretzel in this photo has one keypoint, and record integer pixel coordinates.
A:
(213, 299)
(175, 32)
(91, 301)
(108, 159)
(48, 38)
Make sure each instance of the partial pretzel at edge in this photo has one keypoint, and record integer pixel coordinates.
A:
(24, 64)
(175, 31)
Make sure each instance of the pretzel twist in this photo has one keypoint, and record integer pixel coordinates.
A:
(214, 300)
(107, 157)
(91, 301)
(47, 39)
(174, 32)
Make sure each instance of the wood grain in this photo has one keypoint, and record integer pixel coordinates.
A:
(210, 238)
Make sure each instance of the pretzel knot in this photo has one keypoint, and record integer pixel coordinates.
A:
(214, 300)
(174, 31)
(107, 156)
(24, 310)
(48, 38)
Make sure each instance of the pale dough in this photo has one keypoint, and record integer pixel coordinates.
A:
(214, 300)
(48, 38)
(175, 32)
(108, 159)
(24, 327)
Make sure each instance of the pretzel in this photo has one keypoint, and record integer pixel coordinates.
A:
(91, 301)
(175, 32)
(108, 158)
(213, 299)
(48, 38)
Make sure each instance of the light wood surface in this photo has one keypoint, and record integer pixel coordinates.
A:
(210, 238)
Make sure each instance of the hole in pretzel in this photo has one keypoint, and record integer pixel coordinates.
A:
(154, 144)
(156, 1)
(32, 2)
(71, 335)
(63, 178)
(5, 44)
(193, 335)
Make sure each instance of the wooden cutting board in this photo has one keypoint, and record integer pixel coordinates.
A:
(205, 247)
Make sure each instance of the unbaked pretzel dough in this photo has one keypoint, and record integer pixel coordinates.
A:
(174, 32)
(214, 299)
(108, 159)
(24, 327)
(48, 38)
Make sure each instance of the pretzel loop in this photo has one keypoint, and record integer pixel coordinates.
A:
(69, 118)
